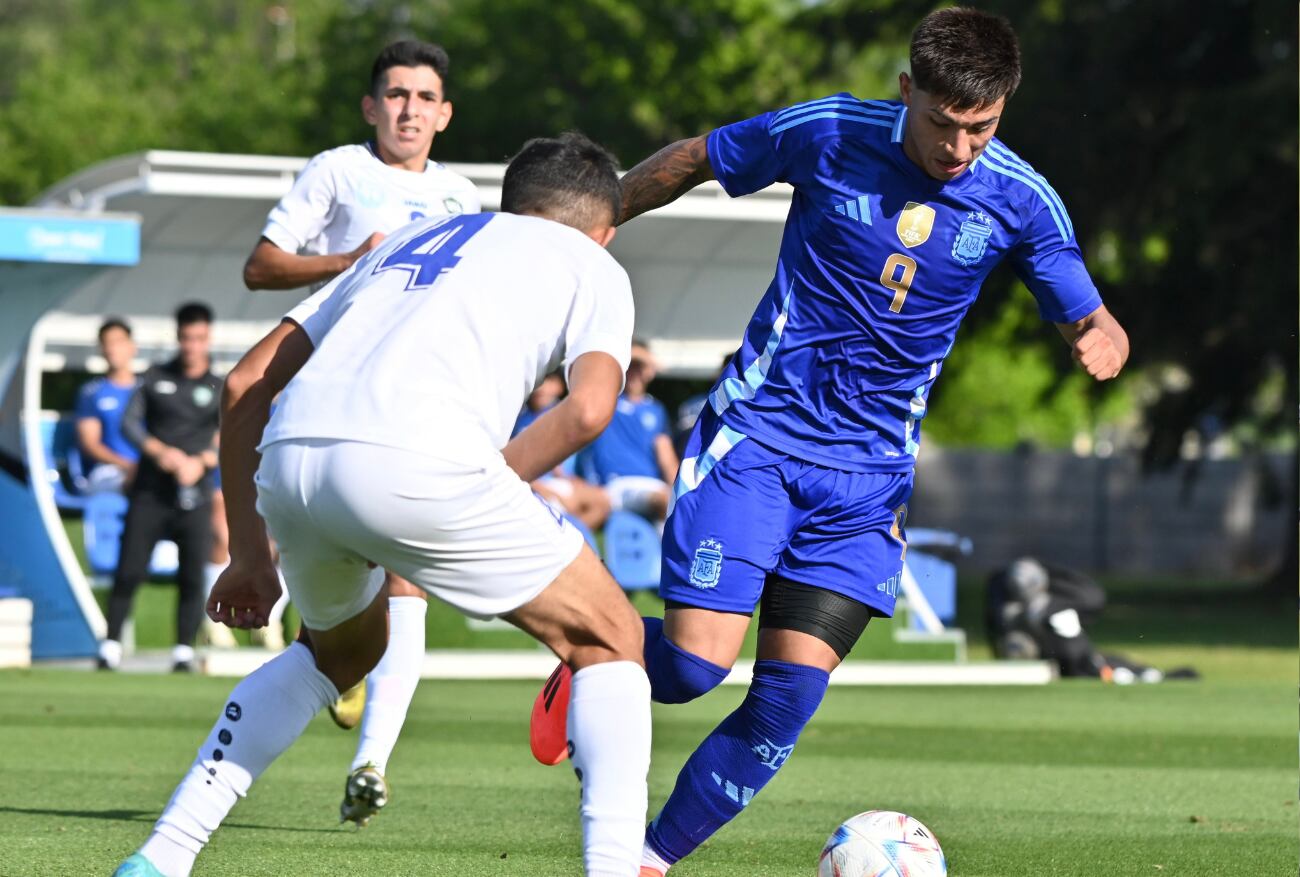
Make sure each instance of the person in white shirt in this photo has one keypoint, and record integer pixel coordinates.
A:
(340, 208)
(346, 199)
(399, 383)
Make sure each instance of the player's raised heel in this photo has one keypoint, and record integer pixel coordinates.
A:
(364, 794)
(348, 709)
(548, 728)
(137, 866)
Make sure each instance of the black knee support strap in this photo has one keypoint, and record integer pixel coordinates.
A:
(833, 618)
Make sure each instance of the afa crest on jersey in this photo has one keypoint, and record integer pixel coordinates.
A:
(972, 239)
(706, 569)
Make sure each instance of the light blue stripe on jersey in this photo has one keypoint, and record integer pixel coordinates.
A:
(695, 469)
(916, 413)
(1000, 166)
(897, 135)
(1014, 160)
(833, 100)
(1003, 160)
(849, 114)
(733, 388)
(795, 110)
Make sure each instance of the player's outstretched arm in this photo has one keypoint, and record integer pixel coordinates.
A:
(1098, 342)
(666, 176)
(269, 267)
(595, 380)
(244, 595)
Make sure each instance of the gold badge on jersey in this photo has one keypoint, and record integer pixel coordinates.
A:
(915, 224)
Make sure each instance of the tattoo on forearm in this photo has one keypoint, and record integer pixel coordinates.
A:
(665, 176)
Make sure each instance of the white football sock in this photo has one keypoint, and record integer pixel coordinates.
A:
(651, 859)
(263, 716)
(609, 740)
(211, 572)
(272, 636)
(391, 685)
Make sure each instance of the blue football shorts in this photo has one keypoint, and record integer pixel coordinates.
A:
(744, 511)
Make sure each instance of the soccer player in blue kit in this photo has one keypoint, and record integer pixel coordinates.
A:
(795, 482)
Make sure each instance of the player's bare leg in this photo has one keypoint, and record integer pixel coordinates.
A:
(586, 620)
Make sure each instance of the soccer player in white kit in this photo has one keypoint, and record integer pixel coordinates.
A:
(339, 208)
(398, 385)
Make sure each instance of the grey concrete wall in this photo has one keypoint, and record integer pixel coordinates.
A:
(1225, 518)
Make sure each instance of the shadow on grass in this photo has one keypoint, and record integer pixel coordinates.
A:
(150, 816)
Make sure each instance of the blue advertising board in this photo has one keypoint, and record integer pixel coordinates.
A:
(42, 236)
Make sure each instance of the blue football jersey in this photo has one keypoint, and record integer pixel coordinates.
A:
(106, 402)
(878, 265)
(627, 446)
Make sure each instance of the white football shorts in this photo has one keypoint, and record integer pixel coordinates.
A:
(481, 541)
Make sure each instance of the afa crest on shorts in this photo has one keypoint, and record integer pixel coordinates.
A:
(972, 239)
(706, 568)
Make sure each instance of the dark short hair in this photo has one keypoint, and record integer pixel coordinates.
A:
(193, 312)
(113, 323)
(410, 53)
(965, 56)
(568, 178)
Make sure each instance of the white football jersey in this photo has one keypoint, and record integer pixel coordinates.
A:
(432, 341)
(346, 194)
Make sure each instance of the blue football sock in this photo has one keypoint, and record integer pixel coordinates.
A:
(676, 675)
(738, 758)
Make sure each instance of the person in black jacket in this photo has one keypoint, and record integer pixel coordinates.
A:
(1039, 610)
(172, 418)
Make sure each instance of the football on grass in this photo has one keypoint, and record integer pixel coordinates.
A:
(882, 843)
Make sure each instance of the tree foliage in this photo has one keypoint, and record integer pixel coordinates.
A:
(1169, 130)
(86, 80)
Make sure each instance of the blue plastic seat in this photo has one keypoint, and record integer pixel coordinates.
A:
(937, 579)
(103, 520)
(632, 551)
(58, 437)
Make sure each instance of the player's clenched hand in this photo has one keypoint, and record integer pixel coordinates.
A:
(1097, 353)
(243, 596)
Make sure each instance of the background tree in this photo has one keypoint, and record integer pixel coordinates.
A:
(81, 81)
(1169, 131)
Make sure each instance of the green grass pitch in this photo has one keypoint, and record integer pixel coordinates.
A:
(1074, 779)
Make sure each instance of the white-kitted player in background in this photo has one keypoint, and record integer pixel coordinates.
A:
(398, 385)
(339, 208)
